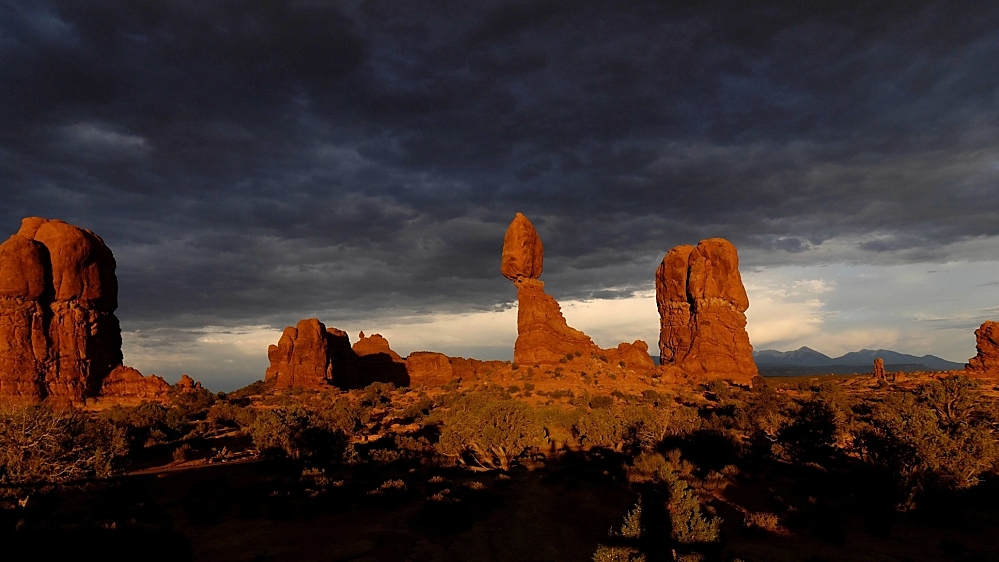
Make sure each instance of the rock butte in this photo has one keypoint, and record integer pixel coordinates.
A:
(702, 304)
(986, 362)
(59, 337)
(543, 336)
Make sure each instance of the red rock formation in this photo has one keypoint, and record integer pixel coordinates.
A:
(374, 344)
(187, 384)
(986, 362)
(126, 382)
(58, 293)
(311, 355)
(302, 357)
(523, 253)
(702, 305)
(879, 369)
(543, 336)
(426, 368)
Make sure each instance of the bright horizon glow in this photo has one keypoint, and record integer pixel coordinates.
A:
(832, 309)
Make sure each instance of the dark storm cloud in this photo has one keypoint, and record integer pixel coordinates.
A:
(255, 162)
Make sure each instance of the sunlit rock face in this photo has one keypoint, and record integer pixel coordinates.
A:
(303, 357)
(310, 355)
(59, 337)
(702, 304)
(986, 362)
(543, 335)
(126, 382)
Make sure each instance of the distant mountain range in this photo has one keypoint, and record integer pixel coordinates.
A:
(808, 361)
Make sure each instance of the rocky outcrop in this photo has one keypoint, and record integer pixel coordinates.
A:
(373, 345)
(543, 335)
(302, 357)
(986, 362)
(702, 304)
(879, 369)
(59, 337)
(310, 355)
(126, 382)
(186, 384)
(427, 368)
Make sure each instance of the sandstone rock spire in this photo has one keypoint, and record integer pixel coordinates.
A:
(702, 304)
(59, 336)
(543, 335)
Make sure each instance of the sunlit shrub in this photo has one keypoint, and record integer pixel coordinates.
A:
(38, 444)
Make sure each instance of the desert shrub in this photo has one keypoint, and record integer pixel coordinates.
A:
(488, 434)
(719, 389)
(40, 445)
(617, 554)
(764, 416)
(601, 402)
(558, 422)
(224, 414)
(601, 428)
(665, 419)
(315, 433)
(687, 522)
(763, 521)
(417, 409)
(811, 434)
(939, 437)
(378, 393)
(145, 424)
(182, 453)
(192, 404)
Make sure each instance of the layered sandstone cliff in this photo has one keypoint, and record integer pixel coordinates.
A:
(986, 362)
(543, 335)
(702, 304)
(59, 336)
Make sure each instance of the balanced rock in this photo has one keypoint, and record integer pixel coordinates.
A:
(986, 362)
(59, 336)
(523, 253)
(543, 335)
(702, 304)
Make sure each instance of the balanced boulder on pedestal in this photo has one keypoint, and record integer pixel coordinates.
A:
(543, 335)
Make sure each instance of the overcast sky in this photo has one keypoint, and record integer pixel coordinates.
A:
(254, 163)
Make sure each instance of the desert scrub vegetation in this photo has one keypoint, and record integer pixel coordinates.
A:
(942, 436)
(317, 432)
(484, 434)
(42, 445)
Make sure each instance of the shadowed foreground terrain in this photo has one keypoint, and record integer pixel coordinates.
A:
(791, 469)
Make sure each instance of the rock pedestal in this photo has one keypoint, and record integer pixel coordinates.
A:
(543, 335)
(702, 304)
